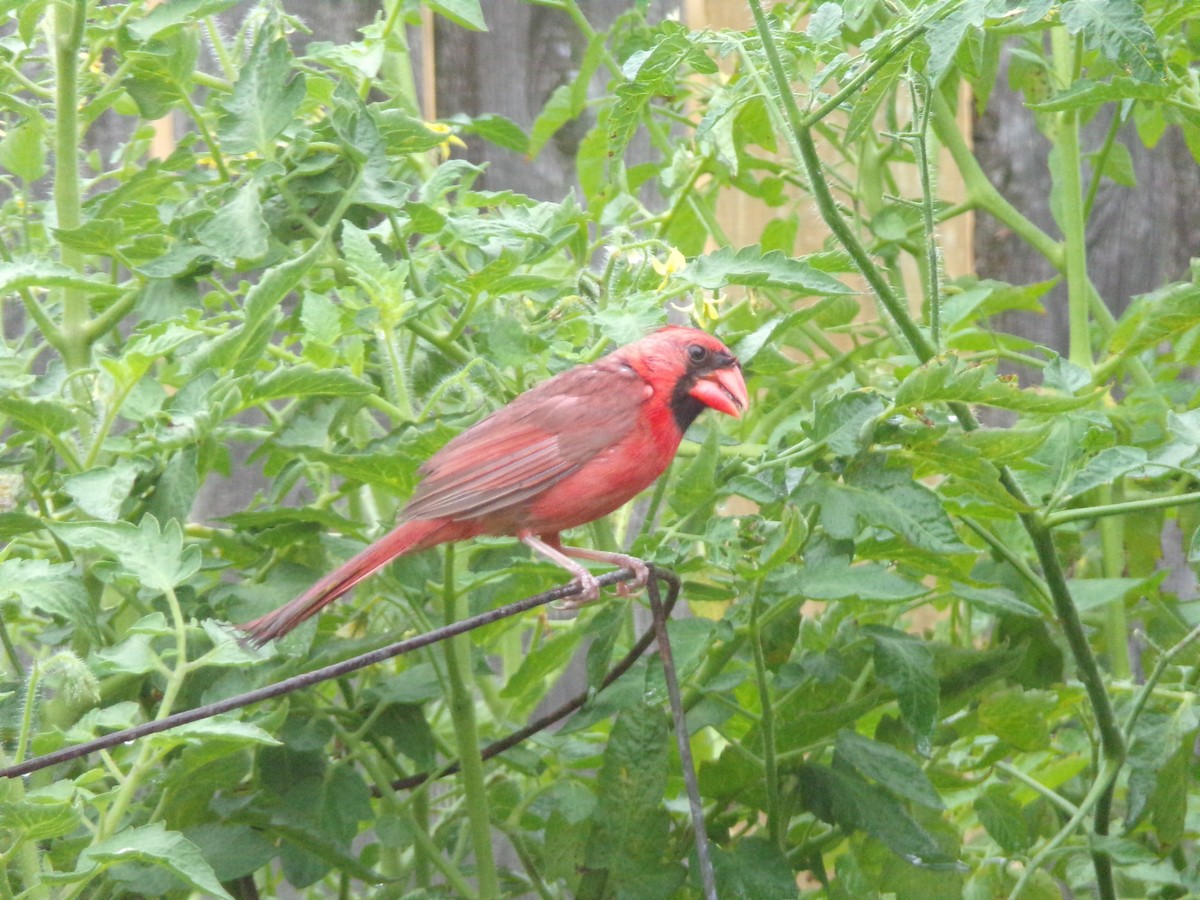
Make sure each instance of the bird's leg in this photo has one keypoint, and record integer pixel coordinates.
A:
(552, 550)
(641, 571)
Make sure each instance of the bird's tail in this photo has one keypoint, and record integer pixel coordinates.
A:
(409, 537)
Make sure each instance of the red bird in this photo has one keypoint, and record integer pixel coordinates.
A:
(564, 453)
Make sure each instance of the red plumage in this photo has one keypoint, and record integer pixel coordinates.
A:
(564, 453)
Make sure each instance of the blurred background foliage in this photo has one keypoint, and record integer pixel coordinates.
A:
(259, 260)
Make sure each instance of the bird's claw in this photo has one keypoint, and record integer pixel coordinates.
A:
(589, 592)
(641, 575)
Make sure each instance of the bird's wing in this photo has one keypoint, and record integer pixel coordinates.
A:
(527, 447)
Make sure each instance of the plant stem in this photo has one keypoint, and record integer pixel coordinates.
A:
(803, 148)
(147, 758)
(1160, 668)
(466, 735)
(1033, 784)
(766, 721)
(1066, 162)
(69, 17)
(1064, 516)
(981, 193)
(1112, 561)
(1108, 774)
(920, 143)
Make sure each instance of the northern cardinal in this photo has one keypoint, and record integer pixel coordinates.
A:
(564, 453)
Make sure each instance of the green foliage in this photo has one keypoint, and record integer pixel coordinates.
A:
(912, 671)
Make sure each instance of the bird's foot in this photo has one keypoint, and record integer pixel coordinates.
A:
(589, 592)
(641, 575)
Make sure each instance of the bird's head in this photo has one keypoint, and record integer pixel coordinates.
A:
(696, 369)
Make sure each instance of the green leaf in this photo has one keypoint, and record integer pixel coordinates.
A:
(905, 665)
(155, 557)
(986, 298)
(630, 824)
(1118, 29)
(825, 23)
(499, 130)
(846, 423)
(55, 589)
(1169, 804)
(1164, 315)
(132, 656)
(220, 729)
(465, 13)
(43, 813)
(950, 381)
(691, 640)
(24, 272)
(887, 766)
(946, 33)
(23, 150)
(264, 100)
(154, 845)
(650, 72)
(104, 720)
(101, 492)
(784, 540)
(177, 12)
(1092, 593)
(881, 86)
(370, 271)
(1001, 815)
(999, 601)
(560, 109)
(846, 800)
(1018, 717)
(237, 231)
(887, 498)
(1086, 93)
(869, 582)
(45, 416)
(303, 380)
(160, 72)
(753, 867)
(695, 487)
(234, 851)
(1105, 467)
(751, 267)
(549, 658)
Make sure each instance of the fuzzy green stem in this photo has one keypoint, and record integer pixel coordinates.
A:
(1066, 162)
(466, 735)
(803, 148)
(28, 864)
(1033, 784)
(148, 754)
(1111, 739)
(107, 320)
(981, 193)
(766, 723)
(1108, 774)
(920, 143)
(1064, 516)
(1112, 561)
(69, 17)
(1160, 668)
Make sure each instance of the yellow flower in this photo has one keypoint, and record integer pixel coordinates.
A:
(443, 130)
(674, 263)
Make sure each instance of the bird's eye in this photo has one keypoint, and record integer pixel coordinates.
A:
(697, 353)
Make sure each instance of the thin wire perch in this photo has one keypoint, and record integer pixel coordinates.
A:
(661, 610)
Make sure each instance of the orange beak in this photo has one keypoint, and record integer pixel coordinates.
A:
(723, 390)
